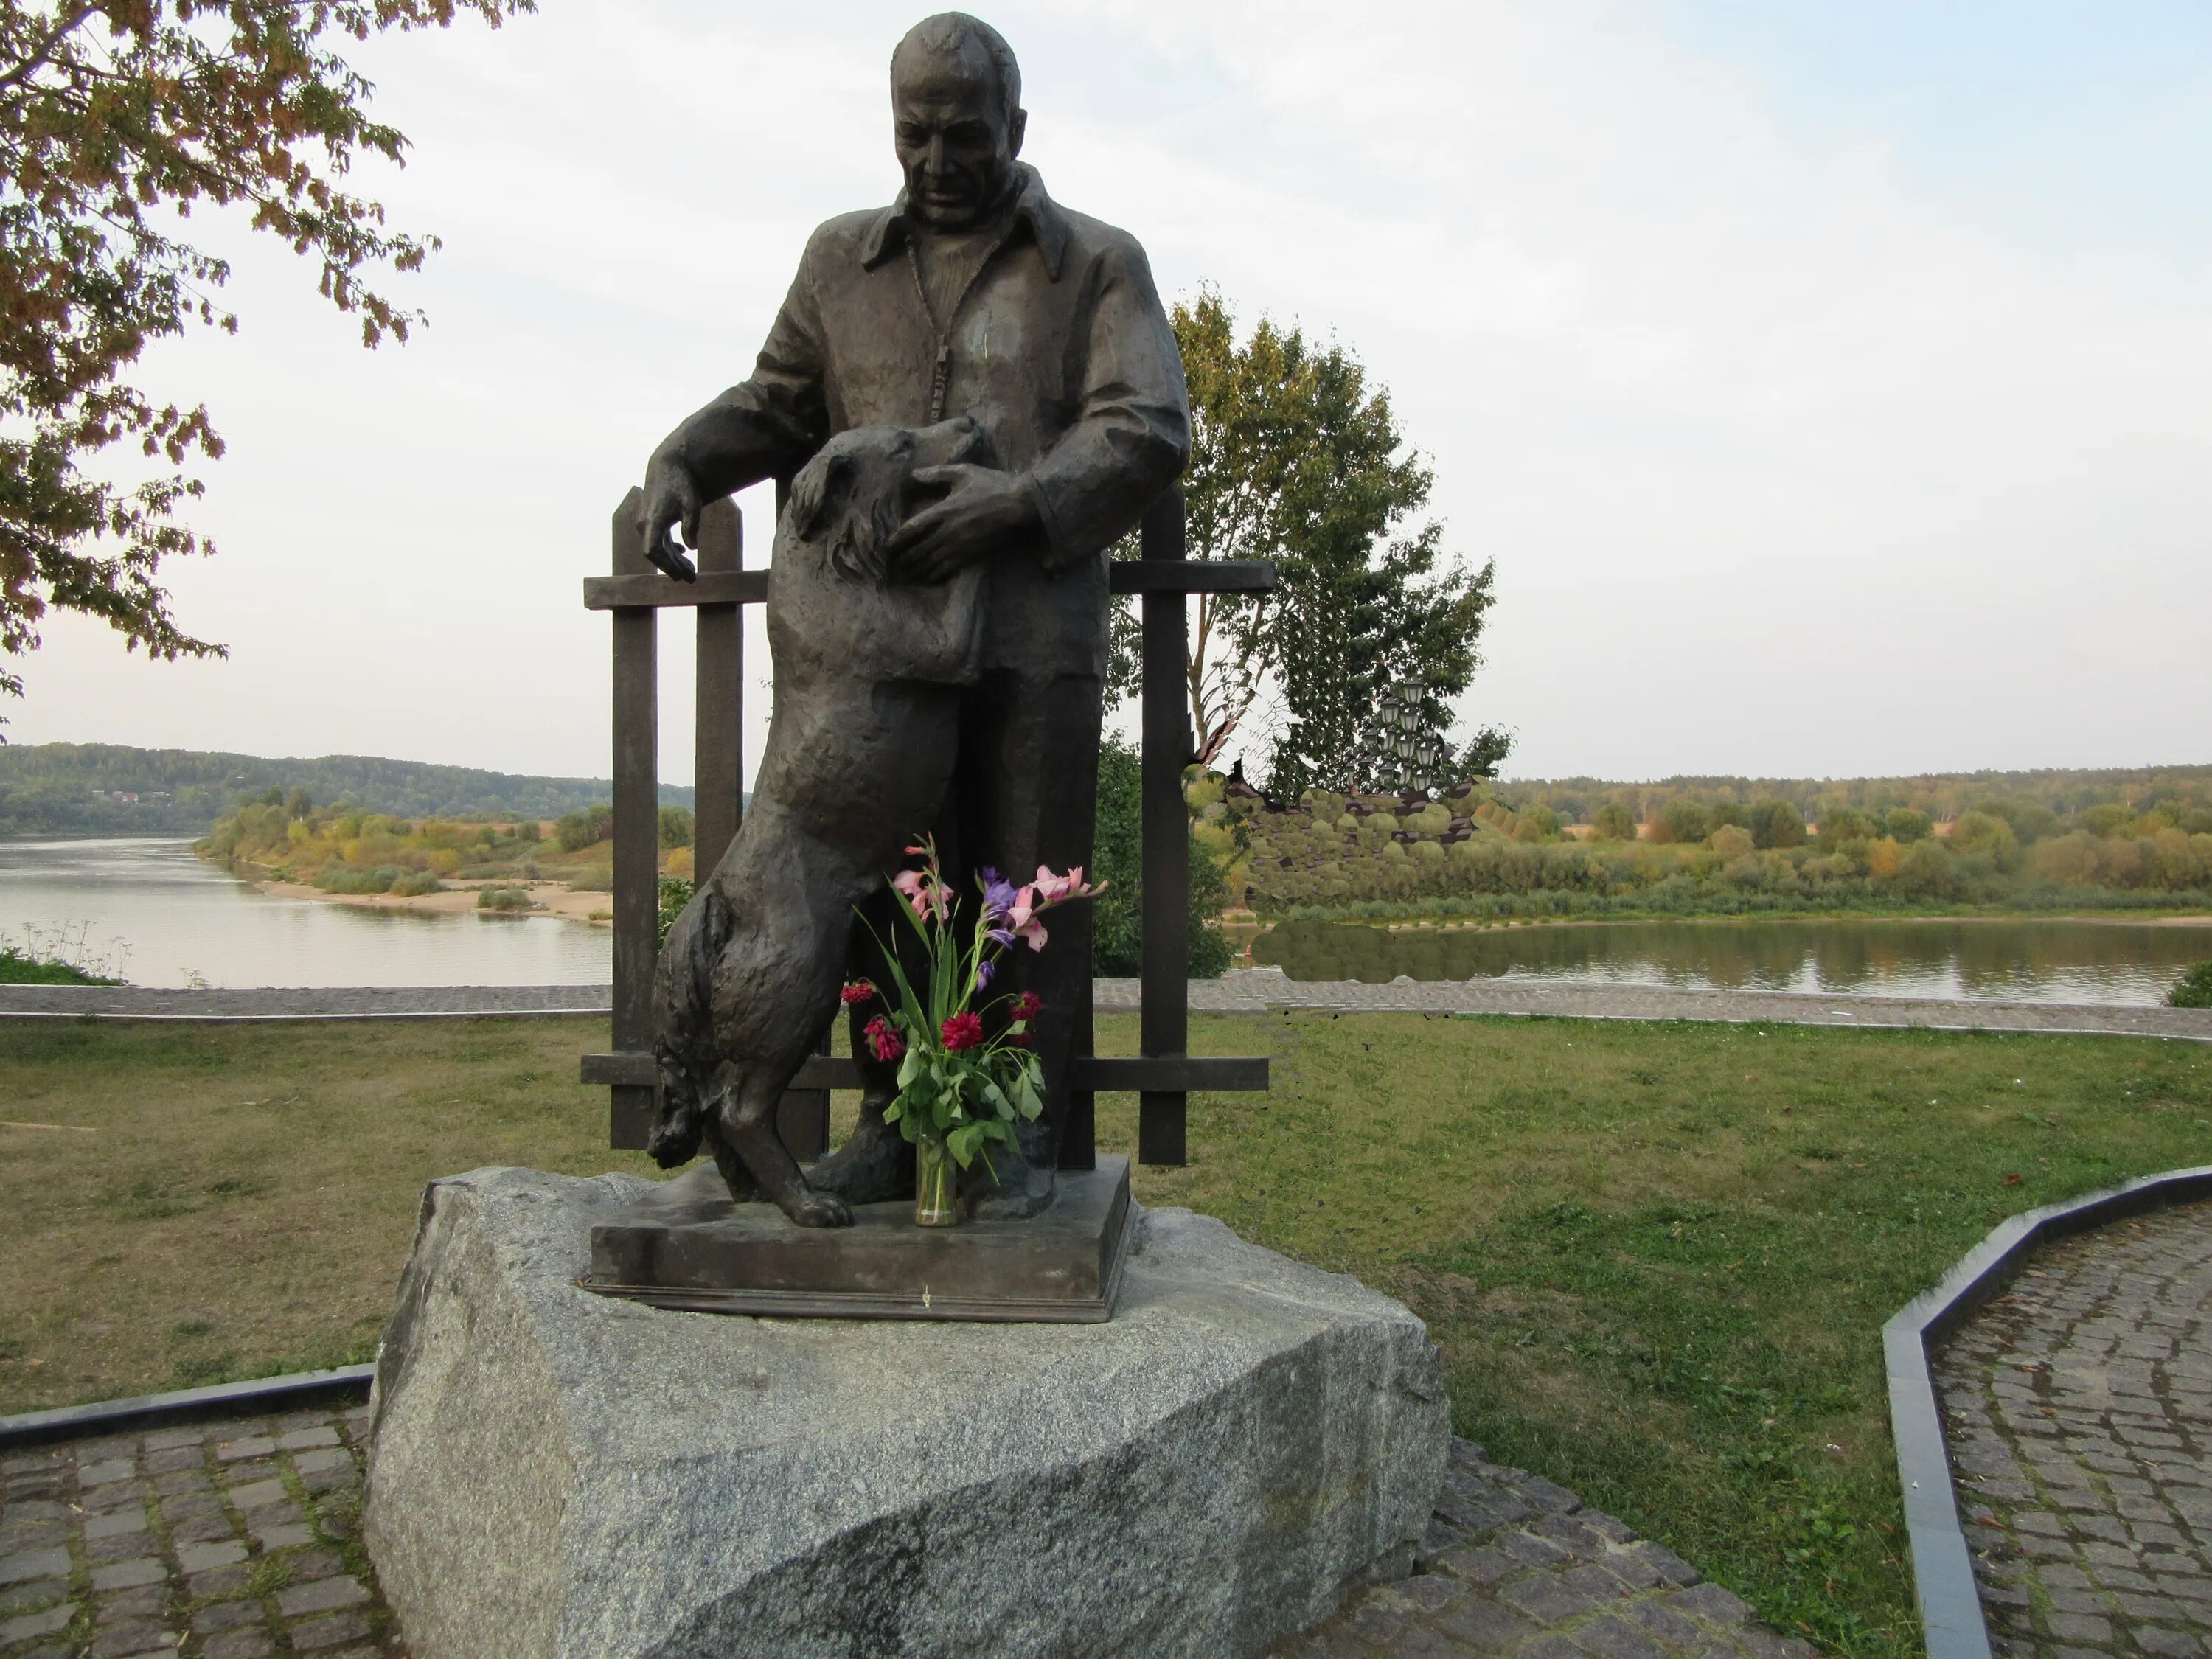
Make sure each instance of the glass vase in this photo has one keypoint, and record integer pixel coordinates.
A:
(936, 1185)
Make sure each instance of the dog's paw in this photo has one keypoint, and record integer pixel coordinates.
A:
(813, 1209)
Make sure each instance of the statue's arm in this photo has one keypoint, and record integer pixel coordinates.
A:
(765, 426)
(1133, 437)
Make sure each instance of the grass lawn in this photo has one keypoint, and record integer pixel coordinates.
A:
(1657, 1255)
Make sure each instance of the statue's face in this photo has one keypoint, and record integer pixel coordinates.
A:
(956, 139)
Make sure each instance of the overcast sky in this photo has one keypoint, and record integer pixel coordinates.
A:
(1832, 383)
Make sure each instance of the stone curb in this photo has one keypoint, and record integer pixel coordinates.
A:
(1249, 990)
(1942, 1564)
(148, 1411)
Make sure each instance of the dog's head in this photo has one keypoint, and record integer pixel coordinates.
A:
(859, 487)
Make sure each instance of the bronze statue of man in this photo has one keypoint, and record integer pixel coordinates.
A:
(975, 294)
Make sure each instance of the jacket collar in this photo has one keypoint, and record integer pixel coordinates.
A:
(1047, 224)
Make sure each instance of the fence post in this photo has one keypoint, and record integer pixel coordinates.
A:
(718, 749)
(1164, 1020)
(636, 898)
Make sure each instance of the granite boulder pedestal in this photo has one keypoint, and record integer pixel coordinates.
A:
(557, 1472)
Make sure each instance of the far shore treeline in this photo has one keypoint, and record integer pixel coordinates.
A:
(110, 789)
(2030, 841)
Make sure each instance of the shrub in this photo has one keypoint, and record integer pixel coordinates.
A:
(1731, 842)
(414, 884)
(345, 879)
(580, 830)
(1775, 823)
(1116, 935)
(1536, 823)
(1985, 832)
(2193, 989)
(676, 826)
(1614, 822)
(675, 894)
(1907, 824)
(1841, 824)
(505, 899)
(1684, 820)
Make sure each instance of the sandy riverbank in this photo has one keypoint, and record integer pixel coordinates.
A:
(550, 898)
(1447, 925)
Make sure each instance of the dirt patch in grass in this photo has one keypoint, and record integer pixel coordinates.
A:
(1657, 1256)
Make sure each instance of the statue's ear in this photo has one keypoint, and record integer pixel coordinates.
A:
(818, 480)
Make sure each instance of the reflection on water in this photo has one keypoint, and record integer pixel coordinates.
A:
(183, 922)
(2010, 960)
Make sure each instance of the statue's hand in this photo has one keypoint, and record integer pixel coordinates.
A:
(983, 509)
(670, 498)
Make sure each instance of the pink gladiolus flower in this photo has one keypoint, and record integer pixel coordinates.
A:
(918, 891)
(1062, 889)
(1021, 920)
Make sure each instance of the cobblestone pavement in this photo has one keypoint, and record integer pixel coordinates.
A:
(2078, 1411)
(1242, 990)
(229, 1539)
(236, 1539)
(1514, 1564)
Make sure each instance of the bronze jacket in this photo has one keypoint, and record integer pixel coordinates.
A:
(1060, 351)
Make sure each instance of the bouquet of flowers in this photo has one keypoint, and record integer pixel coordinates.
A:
(961, 1085)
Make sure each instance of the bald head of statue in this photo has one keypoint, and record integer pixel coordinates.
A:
(957, 119)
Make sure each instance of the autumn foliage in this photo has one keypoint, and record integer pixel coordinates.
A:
(117, 121)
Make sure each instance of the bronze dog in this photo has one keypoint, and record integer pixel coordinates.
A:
(869, 672)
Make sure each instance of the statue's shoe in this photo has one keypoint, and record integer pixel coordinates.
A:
(875, 1163)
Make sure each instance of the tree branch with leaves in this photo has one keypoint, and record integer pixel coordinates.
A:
(117, 121)
(1297, 457)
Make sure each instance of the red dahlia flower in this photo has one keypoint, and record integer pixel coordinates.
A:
(963, 1031)
(859, 991)
(1028, 1006)
(884, 1040)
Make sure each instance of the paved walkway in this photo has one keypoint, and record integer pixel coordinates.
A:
(2079, 1415)
(230, 1539)
(239, 1539)
(1243, 990)
(1515, 1565)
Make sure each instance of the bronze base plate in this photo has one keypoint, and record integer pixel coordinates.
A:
(689, 1247)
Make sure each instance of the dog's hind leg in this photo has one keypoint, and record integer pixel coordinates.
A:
(775, 989)
(746, 1126)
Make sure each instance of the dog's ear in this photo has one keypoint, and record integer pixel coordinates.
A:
(821, 478)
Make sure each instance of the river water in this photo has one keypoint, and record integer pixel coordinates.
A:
(171, 920)
(2004, 959)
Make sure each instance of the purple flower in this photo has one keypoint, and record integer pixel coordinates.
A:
(1001, 937)
(998, 893)
(983, 972)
